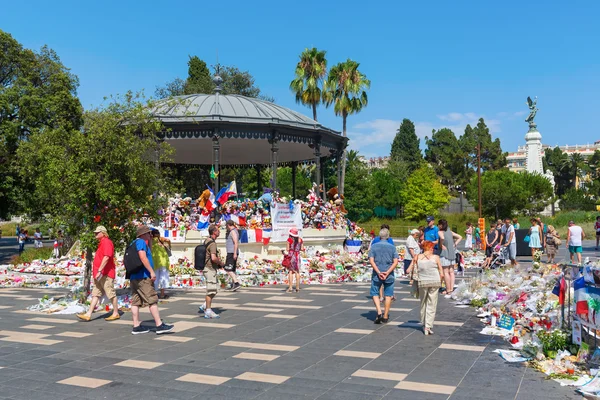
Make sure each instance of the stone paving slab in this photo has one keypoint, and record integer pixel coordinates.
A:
(319, 343)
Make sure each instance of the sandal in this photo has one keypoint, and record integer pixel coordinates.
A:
(379, 319)
(385, 320)
(298, 290)
(444, 291)
(289, 290)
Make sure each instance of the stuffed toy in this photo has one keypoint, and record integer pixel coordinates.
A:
(334, 196)
(203, 199)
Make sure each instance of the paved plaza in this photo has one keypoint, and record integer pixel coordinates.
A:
(320, 343)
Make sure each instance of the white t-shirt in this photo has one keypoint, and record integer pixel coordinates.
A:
(576, 232)
(507, 232)
(411, 243)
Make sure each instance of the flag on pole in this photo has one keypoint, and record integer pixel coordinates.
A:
(226, 192)
(213, 174)
(204, 219)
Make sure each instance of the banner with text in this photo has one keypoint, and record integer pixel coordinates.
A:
(283, 219)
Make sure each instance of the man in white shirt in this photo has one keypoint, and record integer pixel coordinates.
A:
(575, 236)
(510, 241)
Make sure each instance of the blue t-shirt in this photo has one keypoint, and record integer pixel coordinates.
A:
(141, 245)
(378, 239)
(384, 255)
(431, 234)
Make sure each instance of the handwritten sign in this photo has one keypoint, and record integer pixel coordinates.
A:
(284, 218)
(506, 322)
(576, 332)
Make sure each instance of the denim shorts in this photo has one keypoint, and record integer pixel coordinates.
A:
(388, 286)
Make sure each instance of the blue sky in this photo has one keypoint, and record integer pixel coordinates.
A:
(439, 63)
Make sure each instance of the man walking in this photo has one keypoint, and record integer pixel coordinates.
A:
(142, 285)
(232, 247)
(103, 273)
(575, 236)
(384, 259)
(510, 241)
(213, 262)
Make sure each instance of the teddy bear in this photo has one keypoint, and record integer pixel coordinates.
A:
(203, 199)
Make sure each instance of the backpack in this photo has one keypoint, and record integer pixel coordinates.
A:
(200, 255)
(131, 260)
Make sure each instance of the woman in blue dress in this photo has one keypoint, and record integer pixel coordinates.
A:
(535, 237)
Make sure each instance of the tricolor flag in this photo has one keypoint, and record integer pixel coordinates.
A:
(239, 220)
(255, 236)
(581, 296)
(211, 203)
(353, 246)
(226, 192)
(559, 290)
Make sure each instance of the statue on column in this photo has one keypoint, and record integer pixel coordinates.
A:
(532, 112)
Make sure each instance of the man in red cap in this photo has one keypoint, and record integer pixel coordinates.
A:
(103, 273)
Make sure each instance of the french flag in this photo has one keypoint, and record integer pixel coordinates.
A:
(211, 203)
(353, 245)
(581, 296)
(173, 234)
(226, 192)
(239, 221)
(204, 221)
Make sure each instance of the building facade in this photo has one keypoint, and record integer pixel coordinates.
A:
(517, 161)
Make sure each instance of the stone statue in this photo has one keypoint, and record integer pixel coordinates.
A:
(532, 111)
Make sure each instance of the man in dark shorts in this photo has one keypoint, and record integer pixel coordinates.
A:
(142, 286)
(232, 241)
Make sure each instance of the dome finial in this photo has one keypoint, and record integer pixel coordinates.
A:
(217, 80)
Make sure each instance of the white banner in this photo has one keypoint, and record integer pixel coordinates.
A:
(283, 218)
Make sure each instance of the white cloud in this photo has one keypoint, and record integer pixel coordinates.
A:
(374, 138)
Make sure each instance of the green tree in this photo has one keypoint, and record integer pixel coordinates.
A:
(577, 200)
(444, 153)
(385, 189)
(346, 88)
(358, 198)
(199, 78)
(303, 181)
(310, 71)
(37, 93)
(504, 193)
(492, 156)
(104, 173)
(560, 165)
(424, 194)
(405, 146)
(199, 81)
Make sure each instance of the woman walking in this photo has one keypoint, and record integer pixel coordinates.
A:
(552, 243)
(448, 241)
(469, 236)
(429, 269)
(294, 247)
(535, 237)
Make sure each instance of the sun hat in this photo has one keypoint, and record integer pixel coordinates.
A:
(100, 228)
(414, 231)
(142, 230)
(294, 232)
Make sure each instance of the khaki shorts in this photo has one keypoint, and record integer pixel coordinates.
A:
(212, 283)
(104, 286)
(143, 293)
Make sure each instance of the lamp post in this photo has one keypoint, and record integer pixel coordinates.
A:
(479, 176)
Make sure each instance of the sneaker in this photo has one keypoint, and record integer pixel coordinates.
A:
(164, 328)
(137, 330)
(202, 307)
(229, 288)
(210, 314)
(235, 287)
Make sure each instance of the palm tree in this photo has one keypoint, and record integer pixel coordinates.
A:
(310, 71)
(345, 88)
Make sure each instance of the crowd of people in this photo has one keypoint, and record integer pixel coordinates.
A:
(430, 260)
